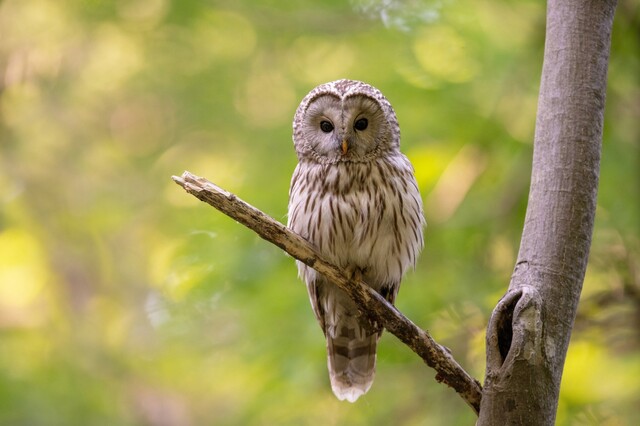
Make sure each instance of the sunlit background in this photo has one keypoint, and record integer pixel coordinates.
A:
(125, 301)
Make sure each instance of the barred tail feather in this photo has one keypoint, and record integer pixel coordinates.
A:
(352, 361)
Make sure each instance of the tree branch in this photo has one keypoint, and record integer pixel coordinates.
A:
(368, 300)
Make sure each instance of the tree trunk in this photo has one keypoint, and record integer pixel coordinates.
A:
(529, 330)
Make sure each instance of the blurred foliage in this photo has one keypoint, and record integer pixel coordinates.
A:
(123, 300)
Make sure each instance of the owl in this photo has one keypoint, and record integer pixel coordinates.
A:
(354, 196)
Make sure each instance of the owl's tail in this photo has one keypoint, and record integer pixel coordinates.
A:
(351, 351)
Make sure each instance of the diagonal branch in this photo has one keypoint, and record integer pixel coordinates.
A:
(369, 301)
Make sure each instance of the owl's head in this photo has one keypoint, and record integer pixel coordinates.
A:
(345, 120)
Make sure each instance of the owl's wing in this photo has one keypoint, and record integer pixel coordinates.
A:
(314, 288)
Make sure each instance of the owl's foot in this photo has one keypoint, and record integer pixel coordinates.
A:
(355, 273)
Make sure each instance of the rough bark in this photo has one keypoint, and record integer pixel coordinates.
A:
(529, 331)
(371, 304)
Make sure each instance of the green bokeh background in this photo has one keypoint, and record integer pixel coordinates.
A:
(125, 301)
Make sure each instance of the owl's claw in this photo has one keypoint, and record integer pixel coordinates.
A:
(355, 273)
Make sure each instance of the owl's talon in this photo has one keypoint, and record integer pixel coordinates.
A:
(355, 273)
(358, 274)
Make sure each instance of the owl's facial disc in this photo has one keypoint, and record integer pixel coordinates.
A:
(349, 129)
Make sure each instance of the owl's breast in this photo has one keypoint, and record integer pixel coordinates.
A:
(359, 215)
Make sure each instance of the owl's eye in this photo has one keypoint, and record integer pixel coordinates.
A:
(326, 127)
(361, 124)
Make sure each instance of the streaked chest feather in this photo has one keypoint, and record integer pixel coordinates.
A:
(362, 214)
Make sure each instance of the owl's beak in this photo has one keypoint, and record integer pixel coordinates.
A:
(345, 146)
